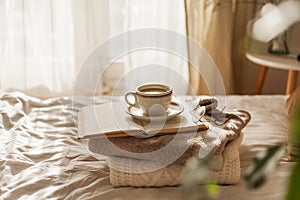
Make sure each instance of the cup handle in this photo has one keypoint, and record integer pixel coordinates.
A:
(129, 96)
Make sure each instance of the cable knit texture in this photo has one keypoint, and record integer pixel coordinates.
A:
(172, 174)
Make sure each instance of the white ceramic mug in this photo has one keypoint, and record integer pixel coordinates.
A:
(151, 98)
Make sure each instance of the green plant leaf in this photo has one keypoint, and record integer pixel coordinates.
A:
(263, 164)
(212, 190)
(293, 192)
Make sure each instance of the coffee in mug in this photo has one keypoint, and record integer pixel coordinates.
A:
(151, 98)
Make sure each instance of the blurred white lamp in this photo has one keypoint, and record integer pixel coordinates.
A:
(273, 23)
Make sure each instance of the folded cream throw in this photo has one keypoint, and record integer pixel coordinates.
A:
(172, 174)
(220, 142)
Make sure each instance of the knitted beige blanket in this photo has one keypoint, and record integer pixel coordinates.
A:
(159, 161)
(172, 175)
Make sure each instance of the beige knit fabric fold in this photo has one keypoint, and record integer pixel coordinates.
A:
(172, 174)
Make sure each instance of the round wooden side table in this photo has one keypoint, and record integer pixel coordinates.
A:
(284, 62)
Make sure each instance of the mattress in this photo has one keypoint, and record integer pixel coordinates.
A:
(41, 157)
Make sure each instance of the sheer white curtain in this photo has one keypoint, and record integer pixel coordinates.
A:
(210, 24)
(157, 65)
(43, 43)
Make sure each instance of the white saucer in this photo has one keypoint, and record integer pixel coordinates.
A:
(174, 110)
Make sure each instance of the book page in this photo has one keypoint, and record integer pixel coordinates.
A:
(111, 120)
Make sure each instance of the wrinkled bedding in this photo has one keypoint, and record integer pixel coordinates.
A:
(41, 157)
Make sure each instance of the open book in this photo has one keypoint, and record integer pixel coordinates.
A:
(111, 120)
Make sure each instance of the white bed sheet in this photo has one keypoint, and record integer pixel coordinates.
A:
(41, 157)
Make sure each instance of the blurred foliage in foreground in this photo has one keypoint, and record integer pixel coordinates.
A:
(195, 188)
